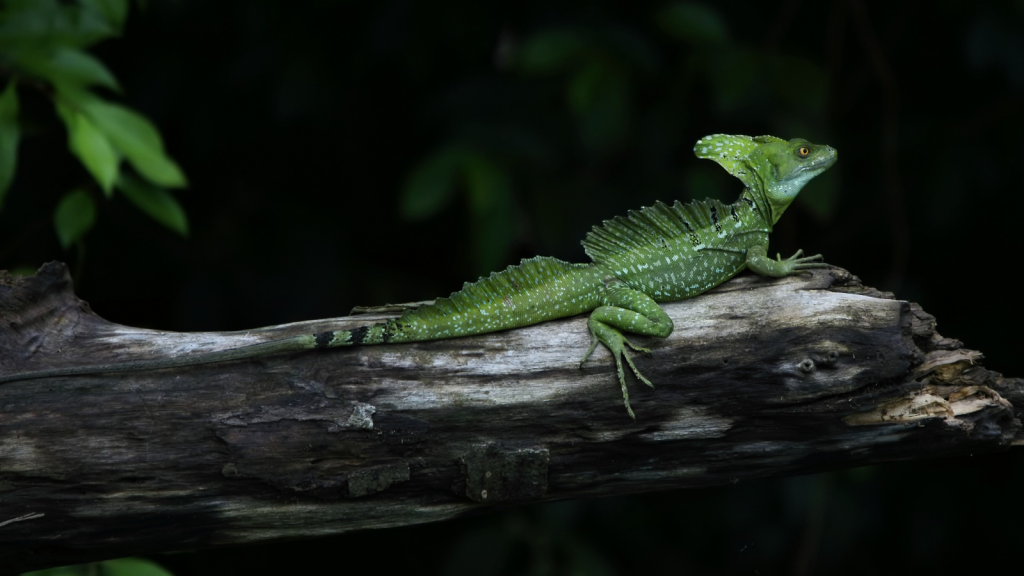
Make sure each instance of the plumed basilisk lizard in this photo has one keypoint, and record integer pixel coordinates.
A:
(656, 254)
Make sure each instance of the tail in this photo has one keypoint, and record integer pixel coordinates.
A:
(536, 290)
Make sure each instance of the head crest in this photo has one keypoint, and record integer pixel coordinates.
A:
(731, 152)
(773, 170)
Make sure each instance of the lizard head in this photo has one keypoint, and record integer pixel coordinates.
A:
(773, 169)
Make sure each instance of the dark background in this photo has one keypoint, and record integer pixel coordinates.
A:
(345, 153)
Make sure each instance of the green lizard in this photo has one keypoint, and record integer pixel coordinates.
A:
(656, 254)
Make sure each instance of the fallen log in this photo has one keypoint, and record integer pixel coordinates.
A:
(761, 378)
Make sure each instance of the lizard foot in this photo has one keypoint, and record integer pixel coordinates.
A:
(760, 262)
(798, 263)
(617, 344)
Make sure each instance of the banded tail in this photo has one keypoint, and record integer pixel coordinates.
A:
(536, 290)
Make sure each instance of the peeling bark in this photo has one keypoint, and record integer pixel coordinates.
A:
(760, 378)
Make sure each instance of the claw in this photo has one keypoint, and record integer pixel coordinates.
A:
(622, 379)
(808, 258)
(809, 262)
(622, 382)
(618, 355)
(593, 346)
(636, 348)
(798, 263)
(792, 258)
(635, 371)
(621, 372)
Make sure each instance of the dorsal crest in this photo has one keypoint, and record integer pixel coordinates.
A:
(655, 228)
(528, 275)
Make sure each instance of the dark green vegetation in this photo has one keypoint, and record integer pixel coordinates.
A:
(345, 153)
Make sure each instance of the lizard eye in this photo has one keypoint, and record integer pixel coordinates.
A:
(803, 151)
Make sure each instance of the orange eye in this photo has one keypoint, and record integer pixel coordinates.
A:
(803, 151)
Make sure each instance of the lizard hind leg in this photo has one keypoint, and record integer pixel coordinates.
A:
(616, 344)
(632, 311)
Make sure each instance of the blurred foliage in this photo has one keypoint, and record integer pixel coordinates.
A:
(119, 567)
(42, 46)
(488, 197)
(75, 215)
(361, 153)
(624, 95)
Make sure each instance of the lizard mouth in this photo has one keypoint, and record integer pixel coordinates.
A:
(823, 161)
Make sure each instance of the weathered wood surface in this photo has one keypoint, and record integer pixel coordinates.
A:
(760, 378)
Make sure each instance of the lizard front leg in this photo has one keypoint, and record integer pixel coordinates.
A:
(626, 309)
(758, 261)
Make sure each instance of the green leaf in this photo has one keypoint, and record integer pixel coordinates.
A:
(493, 234)
(32, 22)
(63, 65)
(91, 26)
(75, 215)
(489, 192)
(132, 567)
(551, 50)
(119, 567)
(115, 11)
(10, 133)
(50, 23)
(431, 184)
(486, 184)
(586, 86)
(131, 134)
(92, 147)
(23, 271)
(156, 202)
(599, 96)
(693, 23)
(137, 139)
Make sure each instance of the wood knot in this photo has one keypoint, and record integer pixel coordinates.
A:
(807, 366)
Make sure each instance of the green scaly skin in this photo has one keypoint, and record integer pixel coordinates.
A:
(656, 254)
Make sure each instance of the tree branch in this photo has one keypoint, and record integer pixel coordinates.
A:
(761, 378)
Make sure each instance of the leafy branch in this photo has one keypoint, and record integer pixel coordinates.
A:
(42, 47)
